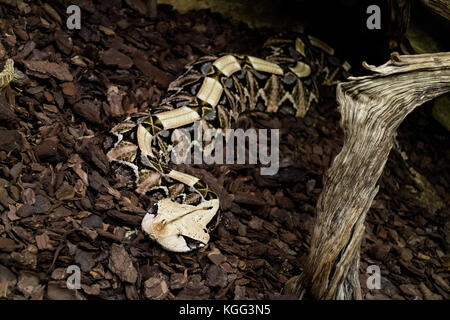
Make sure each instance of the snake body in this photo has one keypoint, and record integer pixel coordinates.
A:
(214, 91)
(7, 74)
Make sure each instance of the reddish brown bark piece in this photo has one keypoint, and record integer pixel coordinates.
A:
(121, 264)
(149, 70)
(42, 241)
(58, 70)
(10, 140)
(113, 57)
(88, 110)
(156, 288)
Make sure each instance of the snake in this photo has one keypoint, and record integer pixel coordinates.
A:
(212, 92)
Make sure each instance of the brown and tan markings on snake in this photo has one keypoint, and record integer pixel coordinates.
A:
(215, 90)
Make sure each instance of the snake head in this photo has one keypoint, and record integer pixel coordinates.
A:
(180, 227)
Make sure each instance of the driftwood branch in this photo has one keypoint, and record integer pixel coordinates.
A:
(372, 108)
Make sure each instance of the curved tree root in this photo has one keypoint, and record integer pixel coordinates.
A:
(372, 108)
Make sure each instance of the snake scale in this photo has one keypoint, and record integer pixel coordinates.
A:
(214, 91)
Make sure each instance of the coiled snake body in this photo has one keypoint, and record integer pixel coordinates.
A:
(214, 91)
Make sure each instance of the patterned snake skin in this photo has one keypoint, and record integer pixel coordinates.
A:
(214, 91)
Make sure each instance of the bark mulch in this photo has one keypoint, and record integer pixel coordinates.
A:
(61, 205)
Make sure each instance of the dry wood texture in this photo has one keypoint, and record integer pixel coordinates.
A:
(372, 108)
(441, 7)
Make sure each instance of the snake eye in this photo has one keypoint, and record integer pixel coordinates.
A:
(154, 209)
